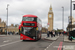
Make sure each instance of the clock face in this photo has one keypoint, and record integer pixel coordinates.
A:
(50, 15)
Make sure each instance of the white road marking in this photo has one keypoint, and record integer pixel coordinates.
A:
(5, 41)
(49, 45)
(9, 43)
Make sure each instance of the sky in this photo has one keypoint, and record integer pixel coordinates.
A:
(40, 8)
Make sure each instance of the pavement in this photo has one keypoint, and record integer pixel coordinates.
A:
(67, 40)
(3, 35)
(52, 38)
(6, 35)
(68, 45)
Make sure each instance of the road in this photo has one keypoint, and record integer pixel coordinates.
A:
(13, 42)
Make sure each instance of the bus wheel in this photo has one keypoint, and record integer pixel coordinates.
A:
(36, 38)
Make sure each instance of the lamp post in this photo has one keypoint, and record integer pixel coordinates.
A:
(63, 18)
(71, 14)
(7, 17)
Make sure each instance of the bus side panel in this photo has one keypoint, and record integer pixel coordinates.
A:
(39, 35)
(39, 25)
(23, 37)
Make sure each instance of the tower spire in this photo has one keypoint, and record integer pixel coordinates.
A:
(50, 18)
(50, 7)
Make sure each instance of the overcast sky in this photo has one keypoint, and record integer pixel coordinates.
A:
(40, 8)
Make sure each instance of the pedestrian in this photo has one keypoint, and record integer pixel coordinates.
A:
(13, 32)
(64, 33)
(10, 32)
(47, 33)
(59, 33)
(5, 32)
(51, 34)
(54, 33)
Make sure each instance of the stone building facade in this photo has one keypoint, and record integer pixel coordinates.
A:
(44, 30)
(12, 28)
(4, 28)
(71, 26)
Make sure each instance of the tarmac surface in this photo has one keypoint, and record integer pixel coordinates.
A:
(56, 44)
(13, 42)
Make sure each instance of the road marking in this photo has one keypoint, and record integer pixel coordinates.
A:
(49, 45)
(9, 43)
(60, 46)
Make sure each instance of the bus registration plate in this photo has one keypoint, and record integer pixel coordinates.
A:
(27, 39)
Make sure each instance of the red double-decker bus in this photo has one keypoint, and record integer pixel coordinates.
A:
(30, 28)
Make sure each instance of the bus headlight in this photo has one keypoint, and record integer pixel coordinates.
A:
(21, 36)
(33, 37)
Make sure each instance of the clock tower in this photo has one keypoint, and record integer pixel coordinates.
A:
(50, 19)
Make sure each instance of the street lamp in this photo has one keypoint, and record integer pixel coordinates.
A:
(63, 18)
(71, 14)
(7, 17)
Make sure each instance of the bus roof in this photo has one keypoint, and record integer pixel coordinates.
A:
(29, 15)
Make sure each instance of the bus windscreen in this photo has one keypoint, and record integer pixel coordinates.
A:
(28, 24)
